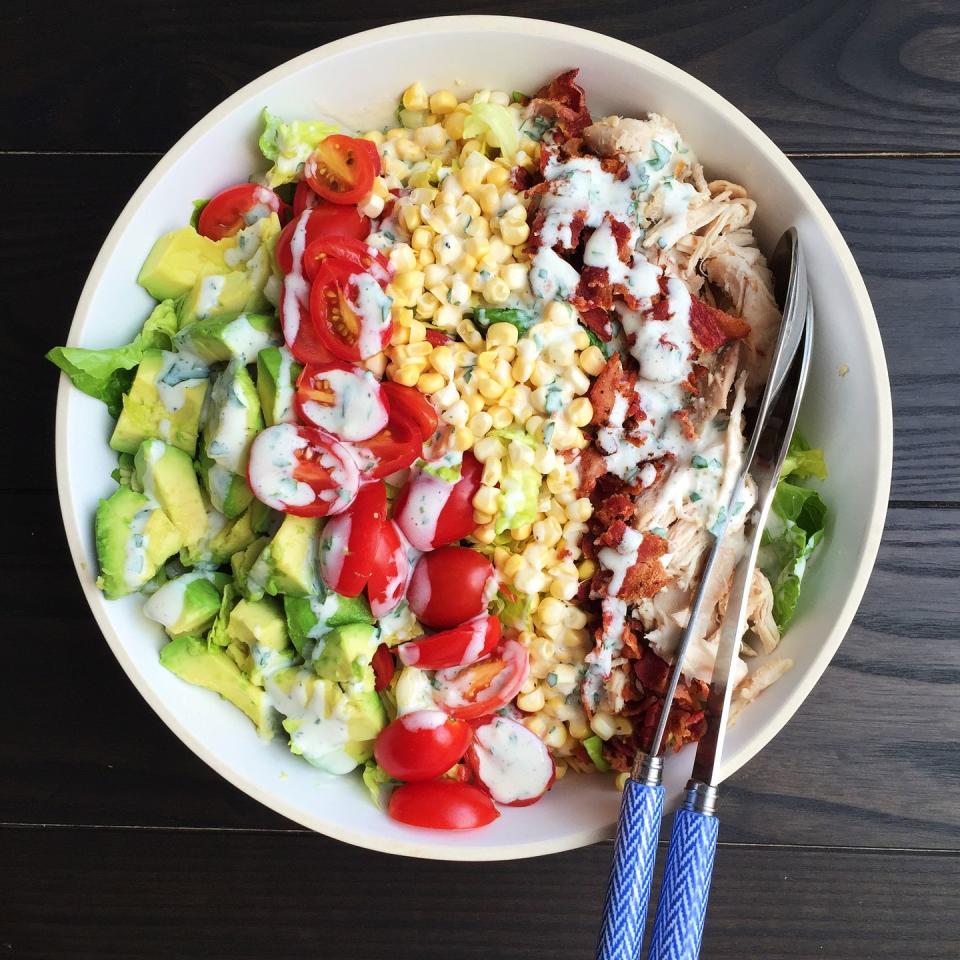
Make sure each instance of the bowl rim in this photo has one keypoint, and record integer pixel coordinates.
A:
(814, 207)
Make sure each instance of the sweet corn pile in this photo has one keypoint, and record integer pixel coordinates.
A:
(456, 239)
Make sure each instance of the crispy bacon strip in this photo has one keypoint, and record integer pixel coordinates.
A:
(712, 328)
(604, 389)
(564, 101)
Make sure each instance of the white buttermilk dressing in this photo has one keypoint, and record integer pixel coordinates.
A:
(417, 720)
(135, 550)
(478, 635)
(283, 404)
(228, 431)
(296, 294)
(179, 373)
(421, 512)
(513, 763)
(246, 341)
(208, 297)
(273, 458)
(372, 308)
(166, 606)
(357, 411)
(413, 691)
(618, 560)
(334, 542)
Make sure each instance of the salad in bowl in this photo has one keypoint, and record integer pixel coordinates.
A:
(423, 445)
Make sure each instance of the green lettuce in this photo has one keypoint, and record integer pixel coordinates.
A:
(495, 124)
(374, 777)
(448, 468)
(217, 636)
(513, 611)
(198, 206)
(519, 486)
(794, 529)
(523, 320)
(108, 374)
(594, 748)
(287, 145)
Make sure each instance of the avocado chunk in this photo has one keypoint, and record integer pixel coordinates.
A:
(254, 249)
(277, 374)
(178, 259)
(134, 537)
(165, 474)
(344, 654)
(217, 296)
(223, 539)
(218, 635)
(310, 618)
(232, 421)
(220, 340)
(164, 403)
(187, 604)
(251, 569)
(209, 667)
(331, 727)
(288, 564)
(258, 638)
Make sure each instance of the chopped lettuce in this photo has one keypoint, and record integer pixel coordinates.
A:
(495, 124)
(287, 145)
(198, 206)
(374, 777)
(594, 748)
(513, 611)
(519, 486)
(447, 468)
(523, 320)
(605, 348)
(108, 374)
(217, 636)
(794, 529)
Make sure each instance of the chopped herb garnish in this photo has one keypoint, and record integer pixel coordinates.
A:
(659, 532)
(595, 341)
(695, 497)
(699, 462)
(661, 155)
(552, 679)
(548, 429)
(523, 320)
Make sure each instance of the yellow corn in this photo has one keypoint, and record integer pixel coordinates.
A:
(580, 411)
(501, 334)
(453, 124)
(603, 725)
(462, 439)
(514, 233)
(556, 736)
(489, 388)
(529, 581)
(409, 151)
(578, 728)
(443, 102)
(415, 97)
(441, 359)
(492, 471)
(411, 281)
(422, 238)
(513, 566)
(592, 361)
(531, 702)
(489, 447)
(485, 533)
(550, 611)
(408, 375)
(501, 417)
(496, 291)
(586, 569)
(564, 588)
(547, 532)
(447, 316)
(486, 499)
(521, 533)
(481, 423)
(430, 383)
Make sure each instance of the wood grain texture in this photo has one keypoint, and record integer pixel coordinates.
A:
(816, 75)
(901, 218)
(230, 896)
(869, 760)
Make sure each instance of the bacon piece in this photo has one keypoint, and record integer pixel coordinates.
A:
(689, 430)
(647, 576)
(621, 233)
(564, 101)
(616, 166)
(613, 535)
(592, 467)
(597, 321)
(604, 389)
(594, 289)
(617, 506)
(712, 328)
(521, 180)
(652, 672)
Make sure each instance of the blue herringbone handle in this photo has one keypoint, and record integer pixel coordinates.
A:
(678, 926)
(628, 893)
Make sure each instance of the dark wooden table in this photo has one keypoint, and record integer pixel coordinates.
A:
(841, 840)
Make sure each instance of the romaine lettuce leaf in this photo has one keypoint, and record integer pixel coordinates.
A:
(494, 123)
(802, 462)
(287, 145)
(513, 610)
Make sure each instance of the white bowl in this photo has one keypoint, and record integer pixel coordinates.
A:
(358, 80)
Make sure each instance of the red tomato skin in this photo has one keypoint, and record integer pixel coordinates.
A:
(447, 586)
(306, 346)
(374, 153)
(442, 805)
(303, 198)
(360, 527)
(384, 667)
(391, 565)
(511, 656)
(305, 393)
(224, 214)
(437, 337)
(415, 405)
(326, 219)
(337, 147)
(449, 647)
(473, 762)
(413, 748)
(394, 448)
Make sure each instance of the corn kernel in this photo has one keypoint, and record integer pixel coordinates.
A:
(513, 566)
(471, 146)
(489, 388)
(536, 724)
(529, 581)
(485, 533)
(521, 533)
(496, 291)
(395, 133)
(488, 197)
(447, 316)
(443, 102)
(519, 454)
(578, 728)
(547, 532)
(481, 519)
(487, 360)
(580, 411)
(415, 97)
(374, 136)
(489, 447)
(430, 383)
(531, 702)
(431, 137)
(425, 257)
(498, 176)
(556, 736)
(399, 336)
(475, 402)
(544, 459)
(592, 361)
(458, 413)
(446, 398)
(501, 334)
(419, 348)
(542, 374)
(402, 257)
(441, 359)
(550, 611)
(514, 275)
(559, 313)
(410, 282)
(453, 124)
(581, 340)
(580, 510)
(514, 233)
(480, 424)
(533, 424)
(421, 238)
(586, 569)
(408, 375)
(492, 472)
(500, 416)
(427, 305)
(522, 369)
(564, 588)
(602, 725)
(486, 499)
(435, 274)
(376, 364)
(409, 151)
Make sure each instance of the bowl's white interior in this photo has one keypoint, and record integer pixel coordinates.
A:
(358, 80)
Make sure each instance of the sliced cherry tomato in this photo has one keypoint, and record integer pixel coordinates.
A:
(351, 313)
(302, 471)
(510, 762)
(342, 399)
(442, 805)
(484, 687)
(411, 402)
(374, 153)
(384, 667)
(349, 541)
(394, 448)
(432, 513)
(321, 220)
(421, 745)
(390, 573)
(450, 586)
(304, 198)
(237, 207)
(458, 647)
(299, 333)
(437, 337)
(340, 169)
(347, 252)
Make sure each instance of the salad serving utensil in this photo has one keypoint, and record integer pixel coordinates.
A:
(678, 925)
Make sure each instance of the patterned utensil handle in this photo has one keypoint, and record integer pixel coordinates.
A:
(628, 893)
(682, 907)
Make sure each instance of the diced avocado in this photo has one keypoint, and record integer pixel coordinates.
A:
(165, 473)
(221, 339)
(178, 259)
(255, 246)
(345, 652)
(310, 618)
(277, 374)
(187, 604)
(209, 667)
(293, 557)
(232, 421)
(164, 403)
(133, 537)
(217, 296)
(263, 519)
(331, 728)
(258, 638)
(218, 635)
(251, 569)
(223, 539)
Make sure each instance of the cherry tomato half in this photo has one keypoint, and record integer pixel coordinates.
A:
(299, 333)
(421, 745)
(390, 573)
(302, 471)
(510, 762)
(484, 687)
(237, 207)
(321, 220)
(374, 153)
(411, 402)
(449, 586)
(348, 253)
(394, 448)
(384, 667)
(351, 313)
(348, 541)
(442, 805)
(340, 169)
(432, 513)
(304, 198)
(458, 647)
(341, 399)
